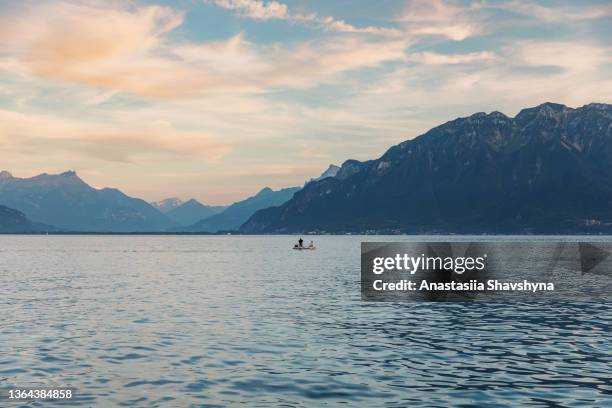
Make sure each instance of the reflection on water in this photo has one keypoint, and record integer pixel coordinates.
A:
(218, 321)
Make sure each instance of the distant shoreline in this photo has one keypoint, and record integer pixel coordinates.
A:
(561, 234)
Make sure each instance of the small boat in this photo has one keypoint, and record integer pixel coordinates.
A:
(299, 246)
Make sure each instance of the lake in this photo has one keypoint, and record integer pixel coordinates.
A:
(227, 320)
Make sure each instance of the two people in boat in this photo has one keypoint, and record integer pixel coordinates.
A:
(300, 244)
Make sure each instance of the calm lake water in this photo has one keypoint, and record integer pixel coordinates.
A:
(225, 320)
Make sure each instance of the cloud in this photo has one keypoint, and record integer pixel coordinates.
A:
(92, 44)
(329, 23)
(40, 135)
(273, 10)
(570, 57)
(559, 13)
(521, 74)
(239, 65)
(460, 20)
(432, 58)
(421, 11)
(78, 33)
(256, 9)
(456, 32)
(125, 49)
(122, 90)
(315, 62)
(441, 18)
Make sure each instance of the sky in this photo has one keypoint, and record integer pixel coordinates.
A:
(215, 99)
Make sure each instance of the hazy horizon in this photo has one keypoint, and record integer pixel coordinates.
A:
(216, 99)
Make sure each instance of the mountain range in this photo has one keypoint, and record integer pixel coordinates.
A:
(546, 170)
(331, 171)
(236, 214)
(13, 221)
(65, 203)
(186, 212)
(68, 203)
(167, 204)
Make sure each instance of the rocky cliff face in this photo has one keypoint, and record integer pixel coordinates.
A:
(549, 169)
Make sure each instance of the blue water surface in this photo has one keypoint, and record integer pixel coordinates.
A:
(158, 321)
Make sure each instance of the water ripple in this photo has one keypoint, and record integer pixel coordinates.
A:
(189, 321)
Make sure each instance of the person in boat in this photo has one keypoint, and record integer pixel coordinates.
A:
(301, 242)
(311, 245)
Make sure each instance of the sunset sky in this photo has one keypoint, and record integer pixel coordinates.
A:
(215, 99)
